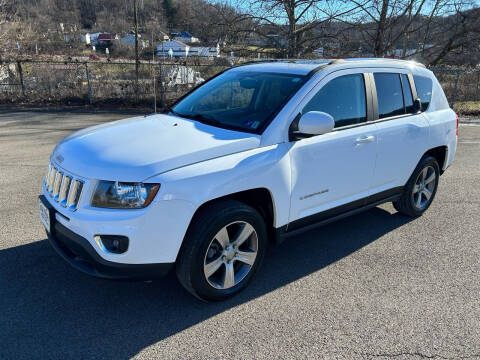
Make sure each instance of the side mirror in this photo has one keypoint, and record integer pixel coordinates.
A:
(417, 105)
(315, 123)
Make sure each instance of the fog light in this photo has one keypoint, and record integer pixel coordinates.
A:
(116, 244)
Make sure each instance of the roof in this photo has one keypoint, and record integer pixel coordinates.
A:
(304, 67)
(165, 44)
(107, 37)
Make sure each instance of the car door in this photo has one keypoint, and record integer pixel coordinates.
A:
(401, 132)
(334, 171)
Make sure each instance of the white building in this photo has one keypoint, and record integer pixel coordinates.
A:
(179, 49)
(185, 37)
(90, 39)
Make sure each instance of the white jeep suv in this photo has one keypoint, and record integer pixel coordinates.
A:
(260, 152)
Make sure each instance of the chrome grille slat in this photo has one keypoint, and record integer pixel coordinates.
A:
(51, 177)
(56, 184)
(62, 197)
(75, 195)
(63, 187)
(72, 194)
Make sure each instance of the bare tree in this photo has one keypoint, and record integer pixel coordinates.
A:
(296, 21)
(457, 32)
(388, 23)
(8, 11)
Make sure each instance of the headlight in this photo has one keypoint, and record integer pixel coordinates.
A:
(114, 194)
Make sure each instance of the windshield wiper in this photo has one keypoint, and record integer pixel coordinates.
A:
(170, 110)
(206, 119)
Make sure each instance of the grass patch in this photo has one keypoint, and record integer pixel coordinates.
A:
(467, 107)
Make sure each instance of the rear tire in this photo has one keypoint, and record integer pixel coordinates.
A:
(222, 250)
(420, 189)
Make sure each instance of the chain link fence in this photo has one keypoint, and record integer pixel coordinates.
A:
(459, 84)
(100, 83)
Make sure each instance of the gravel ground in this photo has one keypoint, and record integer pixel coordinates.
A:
(376, 285)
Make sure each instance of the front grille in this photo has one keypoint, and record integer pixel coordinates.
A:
(63, 188)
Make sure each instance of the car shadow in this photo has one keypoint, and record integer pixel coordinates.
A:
(49, 310)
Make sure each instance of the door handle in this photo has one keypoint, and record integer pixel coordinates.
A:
(364, 139)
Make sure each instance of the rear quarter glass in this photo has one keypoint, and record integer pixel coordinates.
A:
(424, 86)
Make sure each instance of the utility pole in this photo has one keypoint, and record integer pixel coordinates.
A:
(136, 49)
(154, 80)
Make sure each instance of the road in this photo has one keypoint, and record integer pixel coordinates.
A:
(376, 285)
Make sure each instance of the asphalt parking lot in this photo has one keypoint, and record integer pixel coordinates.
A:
(376, 285)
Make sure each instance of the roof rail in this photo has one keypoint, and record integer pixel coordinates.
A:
(378, 59)
(325, 62)
(260, 61)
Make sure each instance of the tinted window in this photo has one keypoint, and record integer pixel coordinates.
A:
(407, 94)
(343, 98)
(424, 90)
(389, 95)
(243, 100)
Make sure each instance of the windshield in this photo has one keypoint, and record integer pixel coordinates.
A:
(240, 100)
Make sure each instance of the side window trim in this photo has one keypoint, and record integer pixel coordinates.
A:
(407, 92)
(412, 86)
(366, 94)
(370, 100)
(373, 100)
(403, 94)
(376, 117)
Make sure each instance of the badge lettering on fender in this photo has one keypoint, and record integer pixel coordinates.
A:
(314, 194)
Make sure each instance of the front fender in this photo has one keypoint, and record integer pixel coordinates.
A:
(266, 167)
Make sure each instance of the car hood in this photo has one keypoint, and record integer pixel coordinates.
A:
(137, 148)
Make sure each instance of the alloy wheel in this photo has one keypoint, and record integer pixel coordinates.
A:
(424, 187)
(230, 255)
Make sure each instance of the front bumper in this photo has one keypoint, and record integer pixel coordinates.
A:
(155, 232)
(79, 253)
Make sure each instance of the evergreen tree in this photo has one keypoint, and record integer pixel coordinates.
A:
(170, 12)
(88, 15)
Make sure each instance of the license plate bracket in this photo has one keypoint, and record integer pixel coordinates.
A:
(46, 213)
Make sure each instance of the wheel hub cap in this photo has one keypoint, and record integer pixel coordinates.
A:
(230, 253)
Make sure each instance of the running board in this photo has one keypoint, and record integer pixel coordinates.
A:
(283, 233)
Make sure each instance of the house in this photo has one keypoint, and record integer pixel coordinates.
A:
(129, 40)
(268, 40)
(185, 37)
(178, 48)
(204, 51)
(318, 52)
(412, 50)
(86, 38)
(106, 39)
(164, 36)
(90, 39)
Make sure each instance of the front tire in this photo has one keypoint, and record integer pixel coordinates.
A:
(222, 250)
(420, 190)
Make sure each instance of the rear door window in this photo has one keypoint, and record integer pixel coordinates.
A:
(424, 90)
(343, 98)
(389, 95)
